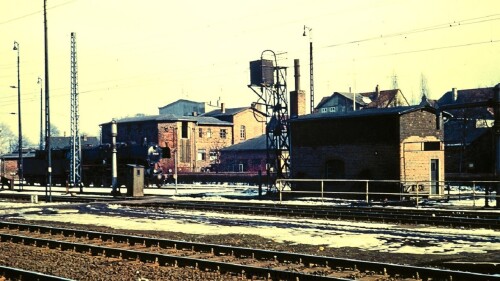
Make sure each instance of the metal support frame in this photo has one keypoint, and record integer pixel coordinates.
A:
(75, 175)
(274, 98)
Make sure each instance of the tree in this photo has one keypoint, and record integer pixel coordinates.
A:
(54, 131)
(8, 141)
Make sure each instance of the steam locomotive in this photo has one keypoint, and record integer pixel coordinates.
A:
(96, 164)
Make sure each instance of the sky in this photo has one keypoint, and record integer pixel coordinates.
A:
(134, 57)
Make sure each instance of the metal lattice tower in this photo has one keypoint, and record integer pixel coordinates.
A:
(273, 96)
(75, 176)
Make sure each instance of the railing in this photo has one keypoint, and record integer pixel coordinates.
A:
(394, 189)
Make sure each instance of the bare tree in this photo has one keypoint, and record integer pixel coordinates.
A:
(8, 141)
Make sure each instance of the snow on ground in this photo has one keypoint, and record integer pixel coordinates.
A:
(330, 233)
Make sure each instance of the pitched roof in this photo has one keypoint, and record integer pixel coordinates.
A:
(181, 101)
(257, 143)
(350, 96)
(469, 96)
(400, 110)
(383, 98)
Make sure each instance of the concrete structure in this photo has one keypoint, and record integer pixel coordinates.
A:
(399, 143)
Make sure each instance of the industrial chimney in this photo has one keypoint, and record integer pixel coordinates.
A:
(297, 97)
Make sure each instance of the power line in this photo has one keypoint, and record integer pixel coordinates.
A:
(34, 13)
(422, 29)
(438, 48)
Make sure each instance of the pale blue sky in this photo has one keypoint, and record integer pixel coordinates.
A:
(136, 56)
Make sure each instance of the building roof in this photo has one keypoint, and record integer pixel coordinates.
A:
(257, 143)
(64, 142)
(358, 97)
(181, 101)
(469, 96)
(400, 110)
(382, 98)
(228, 112)
(202, 120)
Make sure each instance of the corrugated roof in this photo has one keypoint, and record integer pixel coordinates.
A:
(258, 143)
(364, 113)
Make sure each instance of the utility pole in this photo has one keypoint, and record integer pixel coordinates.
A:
(48, 196)
(75, 141)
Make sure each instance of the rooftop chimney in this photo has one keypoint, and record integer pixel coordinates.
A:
(297, 97)
(222, 108)
(377, 92)
(455, 94)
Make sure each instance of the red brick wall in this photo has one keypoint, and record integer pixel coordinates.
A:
(9, 168)
(169, 134)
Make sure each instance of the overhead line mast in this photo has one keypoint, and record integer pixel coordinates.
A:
(75, 176)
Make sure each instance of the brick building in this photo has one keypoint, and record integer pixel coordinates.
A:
(469, 142)
(247, 122)
(193, 140)
(398, 143)
(247, 156)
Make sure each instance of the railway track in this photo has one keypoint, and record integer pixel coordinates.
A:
(12, 273)
(244, 262)
(447, 218)
(412, 216)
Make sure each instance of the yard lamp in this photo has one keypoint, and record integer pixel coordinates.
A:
(20, 148)
(308, 30)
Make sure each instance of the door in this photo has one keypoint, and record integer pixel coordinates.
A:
(434, 176)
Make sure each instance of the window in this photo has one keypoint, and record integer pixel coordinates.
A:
(332, 109)
(200, 132)
(209, 133)
(202, 155)
(432, 146)
(223, 133)
(243, 133)
(184, 130)
(324, 110)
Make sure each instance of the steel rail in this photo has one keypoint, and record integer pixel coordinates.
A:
(12, 273)
(351, 214)
(222, 250)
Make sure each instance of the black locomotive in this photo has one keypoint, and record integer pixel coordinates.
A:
(96, 164)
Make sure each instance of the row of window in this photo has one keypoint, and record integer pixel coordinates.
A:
(222, 133)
